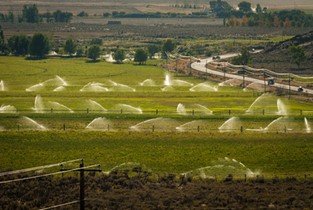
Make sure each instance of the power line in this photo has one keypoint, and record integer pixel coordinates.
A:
(37, 168)
(46, 175)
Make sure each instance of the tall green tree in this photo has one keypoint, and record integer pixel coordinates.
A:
(62, 17)
(152, 50)
(119, 55)
(259, 9)
(94, 52)
(141, 56)
(168, 46)
(245, 7)
(10, 17)
(220, 8)
(18, 45)
(70, 46)
(31, 14)
(244, 58)
(39, 46)
(2, 42)
(297, 55)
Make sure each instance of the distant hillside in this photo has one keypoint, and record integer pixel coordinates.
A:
(277, 57)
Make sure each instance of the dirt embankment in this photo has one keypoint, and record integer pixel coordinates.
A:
(143, 191)
(277, 57)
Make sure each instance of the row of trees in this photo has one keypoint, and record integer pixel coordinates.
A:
(141, 55)
(38, 46)
(284, 18)
(30, 14)
(223, 9)
(245, 15)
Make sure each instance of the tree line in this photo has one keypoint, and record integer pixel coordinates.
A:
(38, 46)
(245, 15)
(30, 14)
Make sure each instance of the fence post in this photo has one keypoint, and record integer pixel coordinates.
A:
(87, 110)
(301, 112)
(263, 111)
(51, 110)
(108, 127)
(285, 129)
(152, 128)
(82, 187)
(64, 126)
(241, 129)
(193, 112)
(229, 112)
(198, 128)
(156, 111)
(121, 111)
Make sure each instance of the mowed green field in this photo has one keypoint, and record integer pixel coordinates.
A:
(19, 74)
(280, 154)
(276, 153)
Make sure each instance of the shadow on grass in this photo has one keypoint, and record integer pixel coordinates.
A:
(92, 61)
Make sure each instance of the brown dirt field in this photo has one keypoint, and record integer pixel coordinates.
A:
(140, 191)
(83, 31)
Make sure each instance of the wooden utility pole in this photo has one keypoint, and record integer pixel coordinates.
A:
(264, 82)
(82, 169)
(82, 187)
(289, 81)
(206, 69)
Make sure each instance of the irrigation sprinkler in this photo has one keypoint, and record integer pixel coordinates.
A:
(285, 129)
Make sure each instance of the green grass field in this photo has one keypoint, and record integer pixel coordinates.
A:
(161, 152)
(275, 153)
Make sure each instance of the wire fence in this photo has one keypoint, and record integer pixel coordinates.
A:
(188, 112)
(81, 169)
(82, 199)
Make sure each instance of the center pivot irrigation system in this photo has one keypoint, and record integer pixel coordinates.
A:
(81, 169)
